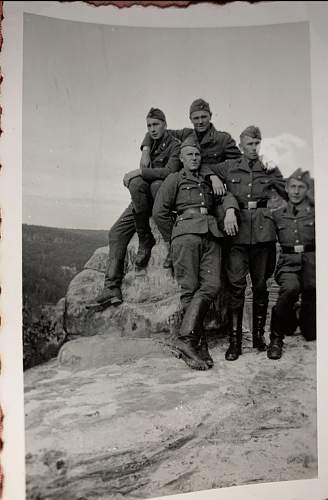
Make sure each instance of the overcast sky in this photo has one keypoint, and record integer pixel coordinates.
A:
(87, 89)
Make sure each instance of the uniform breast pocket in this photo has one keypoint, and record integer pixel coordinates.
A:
(309, 229)
(185, 194)
(234, 185)
(282, 230)
(261, 186)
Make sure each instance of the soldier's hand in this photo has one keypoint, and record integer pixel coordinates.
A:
(268, 164)
(230, 222)
(129, 176)
(145, 157)
(217, 185)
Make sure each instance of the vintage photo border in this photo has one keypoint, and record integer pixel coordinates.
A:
(11, 383)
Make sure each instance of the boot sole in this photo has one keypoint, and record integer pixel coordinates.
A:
(195, 365)
(192, 363)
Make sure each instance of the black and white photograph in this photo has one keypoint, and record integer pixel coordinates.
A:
(168, 238)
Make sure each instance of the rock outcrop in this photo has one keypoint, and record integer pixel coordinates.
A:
(117, 417)
(151, 298)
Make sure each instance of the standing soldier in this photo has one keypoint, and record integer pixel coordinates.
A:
(143, 185)
(196, 248)
(253, 249)
(295, 273)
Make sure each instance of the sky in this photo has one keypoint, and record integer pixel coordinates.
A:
(87, 89)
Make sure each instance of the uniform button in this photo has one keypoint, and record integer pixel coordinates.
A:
(248, 196)
(250, 184)
(295, 231)
(202, 203)
(297, 241)
(200, 194)
(295, 220)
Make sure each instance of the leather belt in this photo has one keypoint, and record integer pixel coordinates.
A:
(251, 205)
(194, 210)
(298, 248)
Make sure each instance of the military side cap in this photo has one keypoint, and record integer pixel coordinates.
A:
(199, 105)
(252, 131)
(157, 114)
(301, 175)
(190, 141)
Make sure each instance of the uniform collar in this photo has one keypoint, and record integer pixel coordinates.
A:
(161, 143)
(244, 165)
(189, 176)
(303, 209)
(209, 136)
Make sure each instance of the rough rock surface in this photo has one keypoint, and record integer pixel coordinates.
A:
(117, 414)
(151, 298)
(117, 417)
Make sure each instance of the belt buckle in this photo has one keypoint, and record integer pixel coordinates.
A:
(298, 248)
(251, 205)
(203, 210)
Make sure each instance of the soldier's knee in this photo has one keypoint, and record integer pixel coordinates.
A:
(137, 184)
(212, 290)
(290, 290)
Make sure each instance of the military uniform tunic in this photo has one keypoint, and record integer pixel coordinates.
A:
(215, 146)
(164, 160)
(195, 234)
(253, 249)
(295, 273)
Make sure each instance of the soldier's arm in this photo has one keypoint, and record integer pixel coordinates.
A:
(230, 207)
(218, 169)
(229, 201)
(164, 206)
(230, 152)
(160, 173)
(278, 183)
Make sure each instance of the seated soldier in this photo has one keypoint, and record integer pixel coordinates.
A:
(196, 247)
(295, 273)
(143, 185)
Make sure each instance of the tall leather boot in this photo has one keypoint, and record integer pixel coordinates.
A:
(235, 336)
(259, 319)
(204, 352)
(276, 338)
(111, 294)
(189, 335)
(146, 239)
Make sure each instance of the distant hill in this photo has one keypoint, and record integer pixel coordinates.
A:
(51, 258)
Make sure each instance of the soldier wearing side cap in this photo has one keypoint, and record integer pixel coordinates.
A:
(295, 273)
(253, 249)
(196, 247)
(216, 146)
(143, 184)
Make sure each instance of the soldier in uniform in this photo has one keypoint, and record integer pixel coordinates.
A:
(215, 146)
(253, 249)
(295, 273)
(196, 248)
(143, 185)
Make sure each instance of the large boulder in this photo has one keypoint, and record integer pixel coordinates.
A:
(151, 298)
